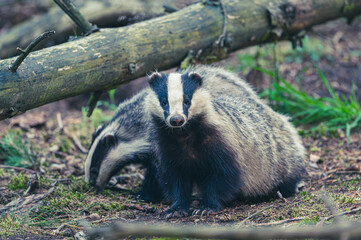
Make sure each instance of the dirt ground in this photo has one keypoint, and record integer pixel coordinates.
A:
(53, 140)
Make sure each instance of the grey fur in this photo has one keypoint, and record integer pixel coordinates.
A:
(130, 129)
(268, 149)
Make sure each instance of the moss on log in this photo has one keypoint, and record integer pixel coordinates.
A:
(106, 59)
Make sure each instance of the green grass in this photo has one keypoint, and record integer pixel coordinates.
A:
(327, 114)
(10, 224)
(16, 151)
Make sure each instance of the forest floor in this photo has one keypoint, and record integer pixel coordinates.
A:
(49, 145)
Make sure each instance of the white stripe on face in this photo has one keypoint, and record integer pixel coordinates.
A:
(89, 157)
(175, 95)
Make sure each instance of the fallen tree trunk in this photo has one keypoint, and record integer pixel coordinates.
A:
(105, 13)
(113, 56)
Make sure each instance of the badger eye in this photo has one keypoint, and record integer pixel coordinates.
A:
(164, 102)
(187, 102)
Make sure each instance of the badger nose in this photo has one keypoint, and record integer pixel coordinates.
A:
(176, 120)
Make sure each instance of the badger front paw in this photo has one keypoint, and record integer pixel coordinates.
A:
(203, 212)
(176, 211)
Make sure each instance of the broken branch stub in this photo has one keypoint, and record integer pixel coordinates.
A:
(69, 8)
(24, 53)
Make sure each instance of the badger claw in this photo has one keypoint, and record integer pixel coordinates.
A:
(203, 212)
(175, 213)
(196, 212)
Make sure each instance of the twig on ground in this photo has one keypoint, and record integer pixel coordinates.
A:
(33, 184)
(303, 218)
(57, 231)
(60, 228)
(344, 213)
(254, 214)
(78, 144)
(281, 222)
(18, 168)
(60, 122)
(279, 194)
(25, 202)
(346, 172)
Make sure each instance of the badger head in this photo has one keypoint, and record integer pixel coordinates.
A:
(111, 149)
(177, 98)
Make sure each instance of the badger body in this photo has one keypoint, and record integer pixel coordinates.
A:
(122, 141)
(210, 129)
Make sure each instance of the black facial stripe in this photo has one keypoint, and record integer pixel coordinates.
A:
(160, 88)
(96, 134)
(189, 87)
(98, 156)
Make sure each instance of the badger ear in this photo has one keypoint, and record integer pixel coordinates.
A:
(196, 77)
(153, 78)
(109, 139)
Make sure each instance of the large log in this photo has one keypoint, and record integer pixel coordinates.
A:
(113, 56)
(104, 13)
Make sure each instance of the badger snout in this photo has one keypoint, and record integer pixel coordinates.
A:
(94, 172)
(93, 176)
(177, 120)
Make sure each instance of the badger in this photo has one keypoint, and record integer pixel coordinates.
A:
(122, 141)
(211, 130)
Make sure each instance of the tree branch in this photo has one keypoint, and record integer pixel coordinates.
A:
(69, 8)
(24, 53)
(18, 168)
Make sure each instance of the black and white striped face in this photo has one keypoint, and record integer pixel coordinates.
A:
(175, 93)
(112, 148)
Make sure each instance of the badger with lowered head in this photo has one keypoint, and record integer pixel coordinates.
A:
(122, 141)
(210, 130)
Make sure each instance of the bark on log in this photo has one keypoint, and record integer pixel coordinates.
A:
(103, 13)
(113, 56)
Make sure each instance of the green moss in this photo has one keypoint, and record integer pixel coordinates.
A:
(308, 221)
(307, 196)
(113, 206)
(44, 182)
(18, 182)
(77, 190)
